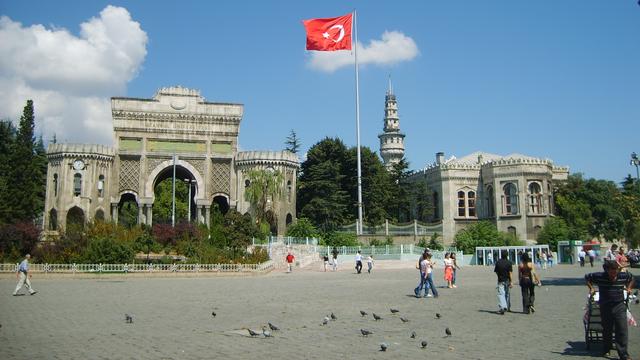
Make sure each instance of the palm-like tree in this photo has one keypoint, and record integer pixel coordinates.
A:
(265, 187)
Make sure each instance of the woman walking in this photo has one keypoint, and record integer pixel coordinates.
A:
(455, 269)
(528, 280)
(448, 270)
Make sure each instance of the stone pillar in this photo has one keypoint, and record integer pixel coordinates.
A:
(207, 214)
(141, 219)
(199, 215)
(114, 213)
(150, 214)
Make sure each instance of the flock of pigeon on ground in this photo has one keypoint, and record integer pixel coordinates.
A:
(267, 332)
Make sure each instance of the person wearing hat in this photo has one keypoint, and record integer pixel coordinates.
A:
(24, 276)
(613, 309)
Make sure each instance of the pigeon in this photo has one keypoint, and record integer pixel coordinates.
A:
(128, 318)
(375, 316)
(637, 301)
(413, 334)
(384, 347)
(447, 331)
(366, 332)
(325, 321)
(438, 316)
(253, 333)
(404, 320)
(213, 313)
(273, 327)
(393, 311)
(423, 344)
(333, 317)
(363, 313)
(266, 332)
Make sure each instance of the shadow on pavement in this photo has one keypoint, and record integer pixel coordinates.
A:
(579, 348)
(564, 282)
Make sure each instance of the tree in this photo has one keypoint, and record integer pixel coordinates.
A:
(302, 228)
(7, 139)
(401, 201)
(162, 206)
(482, 233)
(322, 198)
(293, 142)
(265, 188)
(28, 168)
(554, 230)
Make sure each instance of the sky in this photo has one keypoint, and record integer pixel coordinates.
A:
(551, 79)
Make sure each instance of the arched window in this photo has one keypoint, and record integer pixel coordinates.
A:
(99, 215)
(471, 203)
(289, 190)
(55, 185)
(510, 199)
(461, 204)
(77, 185)
(512, 231)
(491, 208)
(101, 186)
(535, 198)
(247, 183)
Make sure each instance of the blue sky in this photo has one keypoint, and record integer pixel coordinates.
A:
(550, 79)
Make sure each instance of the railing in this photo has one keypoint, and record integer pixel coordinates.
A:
(397, 250)
(413, 228)
(140, 268)
(286, 240)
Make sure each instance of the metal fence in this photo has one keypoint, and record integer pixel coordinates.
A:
(139, 268)
(415, 228)
(286, 240)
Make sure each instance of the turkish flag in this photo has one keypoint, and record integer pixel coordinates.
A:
(329, 34)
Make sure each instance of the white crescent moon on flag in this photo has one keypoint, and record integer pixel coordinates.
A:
(341, 32)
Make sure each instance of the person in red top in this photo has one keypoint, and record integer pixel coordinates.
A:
(290, 259)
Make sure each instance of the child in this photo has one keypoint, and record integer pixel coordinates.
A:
(326, 262)
(290, 259)
(369, 263)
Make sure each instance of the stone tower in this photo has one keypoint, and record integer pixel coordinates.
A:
(391, 140)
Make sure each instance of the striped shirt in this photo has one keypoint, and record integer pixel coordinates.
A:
(611, 291)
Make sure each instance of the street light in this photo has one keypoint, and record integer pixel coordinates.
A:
(635, 161)
(189, 182)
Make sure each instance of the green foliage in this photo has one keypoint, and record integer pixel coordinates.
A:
(322, 198)
(303, 228)
(162, 206)
(264, 191)
(292, 143)
(482, 233)
(108, 250)
(239, 230)
(128, 214)
(434, 244)
(339, 239)
(17, 239)
(554, 230)
(23, 167)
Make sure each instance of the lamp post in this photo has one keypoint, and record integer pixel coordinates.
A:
(189, 182)
(636, 161)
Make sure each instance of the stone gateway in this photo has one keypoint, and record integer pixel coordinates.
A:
(92, 182)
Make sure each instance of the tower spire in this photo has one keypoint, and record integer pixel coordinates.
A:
(391, 139)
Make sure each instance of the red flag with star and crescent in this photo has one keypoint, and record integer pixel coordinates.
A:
(329, 34)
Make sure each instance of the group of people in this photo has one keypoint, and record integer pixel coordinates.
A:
(582, 255)
(426, 265)
(527, 279)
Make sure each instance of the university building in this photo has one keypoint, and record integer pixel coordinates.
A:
(87, 182)
(515, 191)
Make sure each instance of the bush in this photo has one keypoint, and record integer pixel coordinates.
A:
(339, 239)
(108, 250)
(434, 244)
(18, 239)
(302, 228)
(483, 233)
(554, 230)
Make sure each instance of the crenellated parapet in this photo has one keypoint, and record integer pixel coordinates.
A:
(57, 152)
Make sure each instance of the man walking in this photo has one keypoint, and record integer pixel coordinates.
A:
(581, 255)
(334, 253)
(290, 258)
(24, 276)
(592, 256)
(503, 270)
(359, 262)
(613, 308)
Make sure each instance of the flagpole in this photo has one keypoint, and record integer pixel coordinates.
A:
(355, 55)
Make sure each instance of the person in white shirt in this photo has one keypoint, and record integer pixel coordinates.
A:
(369, 263)
(581, 256)
(358, 262)
(23, 275)
(592, 256)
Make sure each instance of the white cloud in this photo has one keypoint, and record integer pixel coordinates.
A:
(70, 78)
(392, 48)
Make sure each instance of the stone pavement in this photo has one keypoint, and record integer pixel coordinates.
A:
(84, 318)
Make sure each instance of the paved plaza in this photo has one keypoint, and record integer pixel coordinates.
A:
(85, 318)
